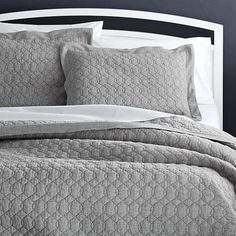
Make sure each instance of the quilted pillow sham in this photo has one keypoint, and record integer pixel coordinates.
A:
(149, 77)
(30, 67)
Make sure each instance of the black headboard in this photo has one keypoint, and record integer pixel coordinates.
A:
(218, 11)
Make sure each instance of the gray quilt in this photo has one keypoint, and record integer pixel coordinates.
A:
(168, 176)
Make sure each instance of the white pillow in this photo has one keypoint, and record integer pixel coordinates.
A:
(8, 27)
(203, 50)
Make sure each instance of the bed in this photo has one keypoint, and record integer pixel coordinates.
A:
(114, 165)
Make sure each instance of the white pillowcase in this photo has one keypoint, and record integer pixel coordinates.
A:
(203, 50)
(9, 27)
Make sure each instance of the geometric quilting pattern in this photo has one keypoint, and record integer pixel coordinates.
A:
(155, 79)
(30, 68)
(117, 182)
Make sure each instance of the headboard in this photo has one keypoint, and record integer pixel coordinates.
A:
(217, 30)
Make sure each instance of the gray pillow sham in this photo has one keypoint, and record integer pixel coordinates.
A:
(30, 67)
(149, 77)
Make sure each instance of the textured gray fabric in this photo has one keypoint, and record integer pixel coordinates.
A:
(30, 68)
(149, 77)
(116, 181)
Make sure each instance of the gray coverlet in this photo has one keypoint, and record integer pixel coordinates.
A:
(168, 176)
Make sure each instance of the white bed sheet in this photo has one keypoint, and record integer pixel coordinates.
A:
(85, 113)
(210, 115)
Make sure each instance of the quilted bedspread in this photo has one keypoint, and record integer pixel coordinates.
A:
(169, 176)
